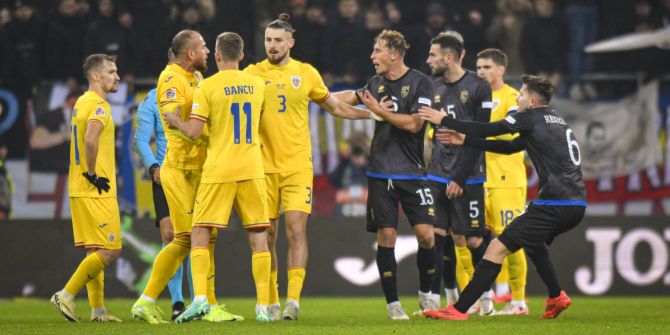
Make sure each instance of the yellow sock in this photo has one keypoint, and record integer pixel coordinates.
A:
(296, 276)
(166, 264)
(518, 269)
(88, 269)
(260, 267)
(464, 268)
(199, 270)
(274, 288)
(503, 275)
(96, 290)
(211, 292)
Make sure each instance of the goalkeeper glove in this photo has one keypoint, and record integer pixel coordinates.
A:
(100, 183)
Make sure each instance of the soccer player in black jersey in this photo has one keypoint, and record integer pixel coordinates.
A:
(560, 204)
(396, 174)
(457, 173)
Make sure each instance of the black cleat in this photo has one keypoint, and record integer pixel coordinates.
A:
(177, 309)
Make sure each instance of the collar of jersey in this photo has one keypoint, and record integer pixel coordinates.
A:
(179, 70)
(280, 67)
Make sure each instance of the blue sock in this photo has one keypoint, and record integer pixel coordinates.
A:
(174, 285)
(189, 278)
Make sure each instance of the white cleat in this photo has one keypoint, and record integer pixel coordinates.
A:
(510, 309)
(486, 307)
(291, 311)
(274, 311)
(396, 312)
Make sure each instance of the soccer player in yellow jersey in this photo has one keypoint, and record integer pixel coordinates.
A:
(180, 172)
(230, 104)
(92, 189)
(286, 149)
(505, 196)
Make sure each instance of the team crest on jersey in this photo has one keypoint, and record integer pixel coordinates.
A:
(496, 103)
(464, 97)
(404, 91)
(171, 93)
(380, 89)
(99, 111)
(295, 81)
(437, 99)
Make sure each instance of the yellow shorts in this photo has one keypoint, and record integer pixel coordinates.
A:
(96, 223)
(293, 190)
(180, 187)
(214, 203)
(502, 206)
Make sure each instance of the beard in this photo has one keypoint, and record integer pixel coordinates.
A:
(201, 65)
(278, 58)
(438, 71)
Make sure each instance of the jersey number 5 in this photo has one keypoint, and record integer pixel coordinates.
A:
(235, 110)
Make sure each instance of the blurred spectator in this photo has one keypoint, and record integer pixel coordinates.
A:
(544, 42)
(238, 16)
(413, 12)
(341, 29)
(25, 33)
(474, 16)
(191, 17)
(150, 24)
(419, 37)
(6, 188)
(357, 65)
(582, 20)
(394, 16)
(50, 140)
(350, 178)
(64, 39)
(111, 33)
(665, 13)
(505, 31)
(310, 25)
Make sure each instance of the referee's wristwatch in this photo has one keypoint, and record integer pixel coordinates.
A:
(153, 168)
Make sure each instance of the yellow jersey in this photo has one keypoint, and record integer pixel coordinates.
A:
(231, 103)
(503, 171)
(175, 88)
(284, 130)
(91, 107)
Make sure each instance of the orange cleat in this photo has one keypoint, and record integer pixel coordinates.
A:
(556, 305)
(502, 299)
(449, 313)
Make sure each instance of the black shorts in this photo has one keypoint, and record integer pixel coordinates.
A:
(464, 215)
(540, 224)
(160, 203)
(384, 195)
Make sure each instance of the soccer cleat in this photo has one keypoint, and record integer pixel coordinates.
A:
(104, 317)
(148, 311)
(396, 312)
(556, 305)
(177, 309)
(474, 309)
(274, 311)
(486, 306)
(510, 309)
(290, 311)
(65, 305)
(428, 301)
(502, 299)
(221, 314)
(449, 313)
(262, 314)
(194, 310)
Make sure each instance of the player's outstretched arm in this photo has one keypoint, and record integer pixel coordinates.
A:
(446, 136)
(341, 109)
(471, 128)
(410, 123)
(191, 128)
(348, 97)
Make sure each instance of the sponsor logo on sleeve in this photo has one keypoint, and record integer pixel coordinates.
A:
(510, 119)
(425, 101)
(100, 111)
(171, 93)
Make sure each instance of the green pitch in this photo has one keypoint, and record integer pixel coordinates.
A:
(322, 316)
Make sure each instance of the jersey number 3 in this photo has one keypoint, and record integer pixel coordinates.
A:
(235, 110)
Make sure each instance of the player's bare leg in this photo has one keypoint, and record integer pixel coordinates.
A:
(296, 235)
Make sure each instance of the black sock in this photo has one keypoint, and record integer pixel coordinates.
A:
(540, 257)
(485, 274)
(439, 264)
(449, 259)
(387, 267)
(478, 252)
(425, 262)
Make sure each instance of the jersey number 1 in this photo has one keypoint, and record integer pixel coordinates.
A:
(235, 110)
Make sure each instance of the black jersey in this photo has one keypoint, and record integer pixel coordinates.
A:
(396, 153)
(554, 151)
(467, 99)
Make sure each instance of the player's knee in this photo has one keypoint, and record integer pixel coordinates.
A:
(474, 242)
(386, 237)
(110, 255)
(426, 240)
(459, 240)
(296, 232)
(496, 251)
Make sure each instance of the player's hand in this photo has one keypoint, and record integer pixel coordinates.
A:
(447, 136)
(100, 183)
(454, 190)
(432, 115)
(157, 175)
(172, 119)
(386, 104)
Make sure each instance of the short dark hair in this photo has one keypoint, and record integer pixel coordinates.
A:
(229, 45)
(282, 23)
(449, 42)
(495, 55)
(539, 85)
(181, 40)
(95, 61)
(395, 41)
